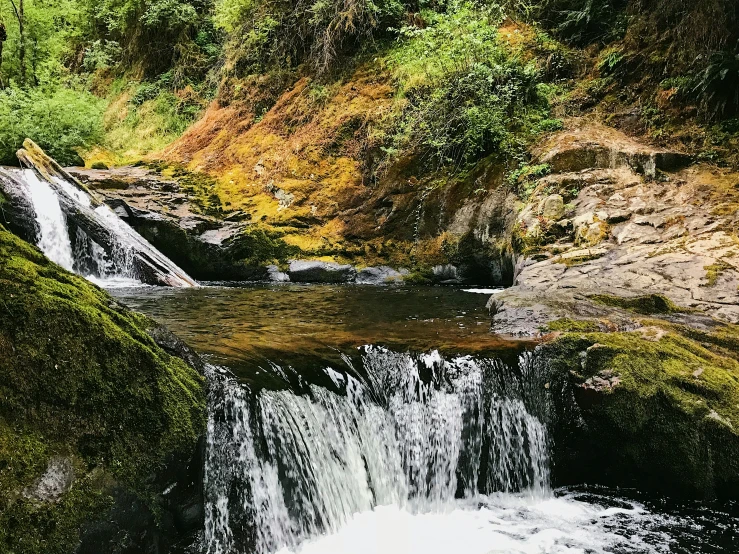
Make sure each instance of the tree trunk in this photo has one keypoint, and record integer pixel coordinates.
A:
(22, 42)
(21, 17)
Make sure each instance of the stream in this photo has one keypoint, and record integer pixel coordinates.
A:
(359, 419)
(388, 420)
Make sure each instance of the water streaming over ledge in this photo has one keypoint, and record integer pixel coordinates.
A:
(69, 245)
(415, 432)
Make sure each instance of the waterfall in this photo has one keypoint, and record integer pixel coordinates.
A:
(53, 237)
(413, 432)
(65, 213)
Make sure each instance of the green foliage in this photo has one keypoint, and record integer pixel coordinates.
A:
(525, 178)
(266, 35)
(717, 85)
(53, 32)
(582, 21)
(60, 120)
(159, 35)
(467, 94)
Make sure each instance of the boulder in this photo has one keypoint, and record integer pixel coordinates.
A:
(380, 275)
(16, 210)
(106, 425)
(276, 276)
(313, 271)
(447, 273)
(552, 207)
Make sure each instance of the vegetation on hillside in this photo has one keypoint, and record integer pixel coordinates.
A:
(155, 65)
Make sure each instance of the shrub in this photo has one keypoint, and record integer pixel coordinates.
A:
(467, 95)
(717, 85)
(62, 121)
(286, 34)
(581, 22)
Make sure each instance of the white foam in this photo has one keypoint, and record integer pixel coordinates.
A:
(484, 291)
(503, 523)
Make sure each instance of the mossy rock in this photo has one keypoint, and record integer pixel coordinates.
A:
(84, 382)
(653, 408)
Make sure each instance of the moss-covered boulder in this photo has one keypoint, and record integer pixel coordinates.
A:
(656, 408)
(97, 422)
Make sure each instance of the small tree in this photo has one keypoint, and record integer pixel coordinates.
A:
(21, 17)
(3, 38)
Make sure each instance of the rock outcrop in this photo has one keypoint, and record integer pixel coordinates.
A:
(100, 428)
(625, 234)
(631, 282)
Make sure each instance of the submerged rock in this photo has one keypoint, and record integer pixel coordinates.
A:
(96, 420)
(307, 271)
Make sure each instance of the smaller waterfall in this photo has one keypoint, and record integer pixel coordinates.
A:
(65, 213)
(53, 237)
(415, 432)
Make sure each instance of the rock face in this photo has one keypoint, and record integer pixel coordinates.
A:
(382, 275)
(16, 212)
(208, 248)
(633, 287)
(654, 408)
(630, 235)
(306, 271)
(99, 426)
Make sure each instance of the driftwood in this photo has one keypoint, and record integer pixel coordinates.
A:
(149, 265)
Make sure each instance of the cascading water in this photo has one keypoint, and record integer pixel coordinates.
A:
(66, 243)
(416, 433)
(53, 237)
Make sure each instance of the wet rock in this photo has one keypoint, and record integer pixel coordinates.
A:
(380, 275)
(313, 271)
(122, 178)
(446, 274)
(16, 211)
(56, 480)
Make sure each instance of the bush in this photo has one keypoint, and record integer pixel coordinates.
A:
(581, 22)
(267, 35)
(717, 85)
(467, 94)
(62, 121)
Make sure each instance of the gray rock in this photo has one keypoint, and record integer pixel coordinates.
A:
(313, 271)
(16, 209)
(56, 480)
(380, 275)
(552, 207)
(446, 272)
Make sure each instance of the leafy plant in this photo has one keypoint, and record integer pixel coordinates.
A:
(717, 85)
(467, 95)
(60, 120)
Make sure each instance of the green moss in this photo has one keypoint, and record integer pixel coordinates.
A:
(714, 271)
(648, 304)
(81, 378)
(573, 325)
(668, 421)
